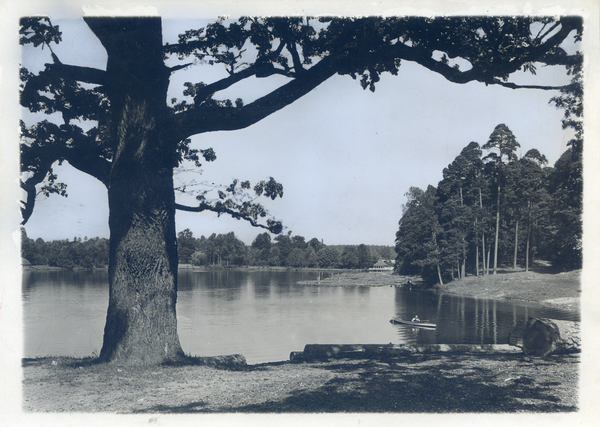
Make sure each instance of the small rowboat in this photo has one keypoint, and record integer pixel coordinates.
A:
(411, 323)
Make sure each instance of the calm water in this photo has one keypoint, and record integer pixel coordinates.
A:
(264, 315)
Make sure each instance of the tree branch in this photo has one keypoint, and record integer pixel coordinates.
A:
(91, 164)
(258, 70)
(81, 74)
(516, 86)
(29, 202)
(295, 57)
(200, 120)
(203, 206)
(179, 67)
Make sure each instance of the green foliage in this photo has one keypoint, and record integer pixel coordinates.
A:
(90, 253)
(296, 258)
(328, 257)
(37, 31)
(504, 141)
(417, 248)
(350, 258)
(540, 213)
(186, 246)
(565, 234)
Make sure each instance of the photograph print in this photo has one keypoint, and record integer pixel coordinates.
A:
(294, 213)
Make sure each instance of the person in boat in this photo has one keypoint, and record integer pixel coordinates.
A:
(416, 318)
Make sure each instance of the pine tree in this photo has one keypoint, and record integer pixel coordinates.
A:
(504, 145)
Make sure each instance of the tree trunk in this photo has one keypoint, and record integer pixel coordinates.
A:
(527, 253)
(488, 260)
(476, 250)
(497, 231)
(485, 267)
(141, 323)
(528, 235)
(542, 337)
(462, 271)
(516, 244)
(439, 274)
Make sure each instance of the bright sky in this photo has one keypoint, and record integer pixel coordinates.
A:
(345, 156)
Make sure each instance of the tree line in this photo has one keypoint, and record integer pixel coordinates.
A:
(78, 253)
(494, 210)
(283, 251)
(216, 250)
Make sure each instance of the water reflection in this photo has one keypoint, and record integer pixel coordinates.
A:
(465, 320)
(264, 315)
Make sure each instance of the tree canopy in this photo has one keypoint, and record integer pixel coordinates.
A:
(448, 231)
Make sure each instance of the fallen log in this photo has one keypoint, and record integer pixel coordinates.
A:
(542, 337)
(382, 351)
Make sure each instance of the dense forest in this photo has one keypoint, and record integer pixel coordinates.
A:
(86, 253)
(494, 209)
(216, 250)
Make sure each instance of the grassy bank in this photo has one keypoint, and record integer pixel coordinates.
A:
(541, 286)
(562, 289)
(433, 383)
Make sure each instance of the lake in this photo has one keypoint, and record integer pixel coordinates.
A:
(264, 314)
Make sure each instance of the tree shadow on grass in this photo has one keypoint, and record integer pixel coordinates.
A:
(189, 408)
(544, 267)
(375, 387)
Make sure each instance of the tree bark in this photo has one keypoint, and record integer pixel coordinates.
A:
(542, 337)
(141, 322)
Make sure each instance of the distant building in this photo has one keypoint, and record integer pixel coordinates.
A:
(25, 264)
(383, 265)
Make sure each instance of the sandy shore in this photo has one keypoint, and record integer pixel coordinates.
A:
(444, 382)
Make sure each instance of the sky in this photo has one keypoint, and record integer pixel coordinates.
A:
(345, 156)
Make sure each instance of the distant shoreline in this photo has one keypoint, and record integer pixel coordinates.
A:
(199, 268)
(561, 290)
(557, 289)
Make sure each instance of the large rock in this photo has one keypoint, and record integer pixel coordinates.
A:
(542, 337)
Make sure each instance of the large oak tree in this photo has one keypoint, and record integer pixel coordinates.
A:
(139, 137)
